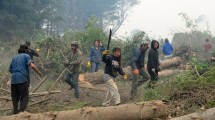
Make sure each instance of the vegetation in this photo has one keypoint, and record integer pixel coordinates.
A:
(51, 25)
(186, 90)
(24, 19)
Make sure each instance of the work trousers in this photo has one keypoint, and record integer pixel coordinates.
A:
(112, 91)
(72, 80)
(137, 81)
(19, 94)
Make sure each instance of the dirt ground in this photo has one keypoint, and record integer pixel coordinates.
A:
(65, 100)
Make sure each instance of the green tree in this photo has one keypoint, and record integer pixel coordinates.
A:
(131, 44)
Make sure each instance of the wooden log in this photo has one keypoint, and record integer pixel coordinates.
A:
(149, 110)
(5, 90)
(34, 103)
(208, 114)
(97, 77)
(31, 95)
(94, 79)
(5, 98)
(38, 102)
(43, 93)
(173, 62)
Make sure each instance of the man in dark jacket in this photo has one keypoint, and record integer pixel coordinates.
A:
(137, 65)
(31, 52)
(112, 68)
(153, 60)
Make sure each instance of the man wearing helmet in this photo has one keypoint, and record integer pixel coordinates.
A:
(137, 65)
(73, 65)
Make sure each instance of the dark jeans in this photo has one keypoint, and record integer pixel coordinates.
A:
(137, 81)
(94, 67)
(19, 93)
(153, 75)
(72, 80)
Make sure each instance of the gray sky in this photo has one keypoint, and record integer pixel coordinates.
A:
(160, 17)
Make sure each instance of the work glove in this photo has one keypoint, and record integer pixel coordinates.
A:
(88, 64)
(153, 70)
(106, 52)
(125, 77)
(38, 50)
(136, 71)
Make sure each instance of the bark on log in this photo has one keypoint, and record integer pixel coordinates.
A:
(98, 77)
(208, 114)
(173, 62)
(133, 111)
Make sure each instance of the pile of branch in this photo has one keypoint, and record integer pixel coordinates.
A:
(32, 95)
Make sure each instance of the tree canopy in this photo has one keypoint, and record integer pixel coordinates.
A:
(22, 19)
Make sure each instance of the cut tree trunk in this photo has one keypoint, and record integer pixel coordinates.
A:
(208, 114)
(97, 77)
(173, 62)
(133, 111)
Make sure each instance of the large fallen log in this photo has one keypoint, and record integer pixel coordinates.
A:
(173, 62)
(97, 77)
(208, 114)
(133, 111)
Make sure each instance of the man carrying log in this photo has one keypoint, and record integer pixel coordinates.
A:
(137, 65)
(112, 68)
(73, 64)
(20, 81)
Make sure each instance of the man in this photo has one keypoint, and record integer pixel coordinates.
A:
(153, 61)
(208, 47)
(112, 68)
(167, 49)
(19, 69)
(73, 65)
(137, 65)
(31, 52)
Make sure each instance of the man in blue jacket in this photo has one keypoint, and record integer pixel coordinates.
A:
(167, 49)
(19, 69)
(96, 55)
(137, 65)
